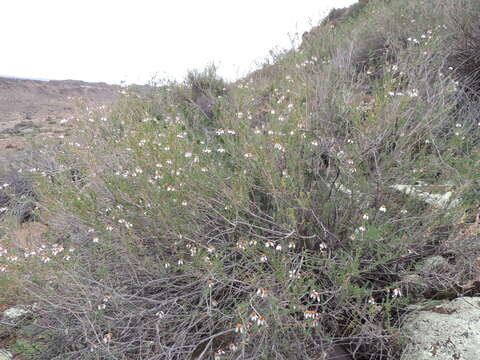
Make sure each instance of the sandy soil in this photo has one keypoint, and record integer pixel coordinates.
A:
(31, 108)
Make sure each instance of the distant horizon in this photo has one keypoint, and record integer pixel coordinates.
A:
(46, 80)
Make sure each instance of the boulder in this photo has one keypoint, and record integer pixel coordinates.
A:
(446, 330)
(439, 196)
(415, 285)
(14, 314)
(434, 264)
(11, 319)
(5, 355)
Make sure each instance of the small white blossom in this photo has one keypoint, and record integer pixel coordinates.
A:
(397, 293)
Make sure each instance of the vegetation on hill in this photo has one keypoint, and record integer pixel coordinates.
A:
(259, 219)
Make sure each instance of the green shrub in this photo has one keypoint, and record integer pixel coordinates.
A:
(273, 219)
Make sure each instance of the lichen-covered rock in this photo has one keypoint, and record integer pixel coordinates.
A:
(5, 355)
(11, 319)
(443, 199)
(446, 331)
(14, 313)
(434, 264)
(415, 285)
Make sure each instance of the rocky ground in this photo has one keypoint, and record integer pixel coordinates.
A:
(31, 108)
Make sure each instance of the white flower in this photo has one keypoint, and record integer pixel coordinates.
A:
(365, 216)
(107, 338)
(279, 147)
(382, 209)
(397, 293)
(261, 321)
(239, 328)
(412, 93)
(310, 314)
(262, 292)
(314, 295)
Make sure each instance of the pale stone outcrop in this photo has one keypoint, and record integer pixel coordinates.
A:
(5, 355)
(443, 199)
(448, 330)
(14, 313)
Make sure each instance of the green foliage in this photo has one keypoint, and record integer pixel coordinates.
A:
(279, 207)
(29, 350)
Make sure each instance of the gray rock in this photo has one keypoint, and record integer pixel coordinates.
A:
(434, 264)
(443, 199)
(14, 313)
(11, 319)
(415, 285)
(446, 331)
(5, 355)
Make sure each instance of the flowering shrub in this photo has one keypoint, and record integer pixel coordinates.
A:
(277, 233)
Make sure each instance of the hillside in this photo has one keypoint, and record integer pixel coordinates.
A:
(325, 206)
(44, 109)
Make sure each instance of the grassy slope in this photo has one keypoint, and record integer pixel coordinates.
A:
(278, 207)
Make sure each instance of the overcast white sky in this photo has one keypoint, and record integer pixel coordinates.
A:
(131, 40)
